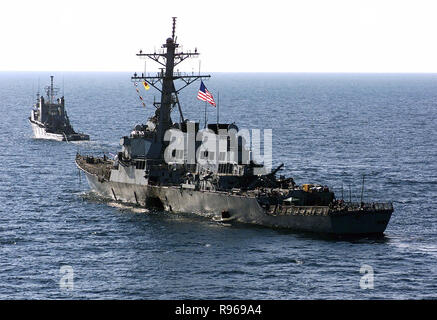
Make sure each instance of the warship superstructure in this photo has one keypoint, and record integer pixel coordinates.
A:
(149, 172)
(49, 118)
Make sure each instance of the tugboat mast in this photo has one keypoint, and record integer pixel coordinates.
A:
(51, 91)
(168, 58)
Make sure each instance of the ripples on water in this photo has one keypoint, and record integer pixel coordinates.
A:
(327, 129)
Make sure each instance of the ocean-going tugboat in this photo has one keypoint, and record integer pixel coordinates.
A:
(151, 171)
(49, 118)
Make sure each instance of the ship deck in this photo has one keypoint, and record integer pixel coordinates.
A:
(101, 167)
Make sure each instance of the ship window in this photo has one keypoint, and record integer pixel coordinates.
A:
(140, 165)
(226, 168)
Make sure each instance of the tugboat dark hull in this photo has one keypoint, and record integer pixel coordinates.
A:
(77, 137)
(224, 206)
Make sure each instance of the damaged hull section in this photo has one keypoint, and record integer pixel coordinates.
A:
(242, 208)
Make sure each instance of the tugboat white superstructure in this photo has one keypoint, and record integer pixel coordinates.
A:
(149, 172)
(49, 118)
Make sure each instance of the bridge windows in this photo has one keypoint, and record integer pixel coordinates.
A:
(139, 164)
(225, 168)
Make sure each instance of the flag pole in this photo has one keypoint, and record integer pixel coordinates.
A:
(218, 106)
(204, 126)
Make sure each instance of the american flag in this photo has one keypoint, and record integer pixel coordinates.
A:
(204, 94)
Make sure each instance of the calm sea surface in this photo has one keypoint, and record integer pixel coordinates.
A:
(327, 128)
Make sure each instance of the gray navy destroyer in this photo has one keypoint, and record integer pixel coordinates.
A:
(49, 118)
(147, 172)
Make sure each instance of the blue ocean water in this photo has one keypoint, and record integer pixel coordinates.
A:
(327, 128)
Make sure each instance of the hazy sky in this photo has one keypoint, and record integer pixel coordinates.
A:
(290, 36)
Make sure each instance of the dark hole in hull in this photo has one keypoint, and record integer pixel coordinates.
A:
(225, 214)
(154, 203)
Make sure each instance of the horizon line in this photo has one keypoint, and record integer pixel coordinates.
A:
(282, 72)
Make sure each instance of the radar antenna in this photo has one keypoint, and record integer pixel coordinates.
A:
(174, 27)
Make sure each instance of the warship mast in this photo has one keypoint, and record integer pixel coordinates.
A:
(169, 57)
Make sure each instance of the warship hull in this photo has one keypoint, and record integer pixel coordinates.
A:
(244, 209)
